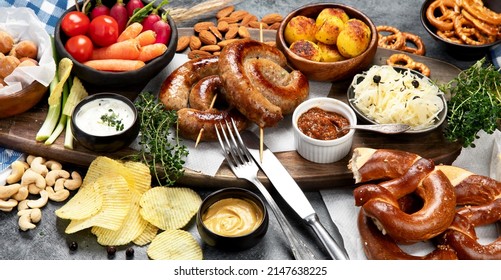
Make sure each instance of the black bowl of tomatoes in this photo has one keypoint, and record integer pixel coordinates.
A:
(118, 44)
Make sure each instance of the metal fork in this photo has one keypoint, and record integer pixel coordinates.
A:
(244, 167)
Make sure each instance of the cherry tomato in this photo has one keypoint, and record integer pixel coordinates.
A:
(79, 47)
(103, 30)
(75, 23)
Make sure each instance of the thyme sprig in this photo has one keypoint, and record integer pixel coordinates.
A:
(475, 103)
(160, 145)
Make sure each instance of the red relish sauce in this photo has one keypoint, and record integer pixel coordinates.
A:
(322, 125)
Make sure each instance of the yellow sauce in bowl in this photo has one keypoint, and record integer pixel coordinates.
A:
(233, 217)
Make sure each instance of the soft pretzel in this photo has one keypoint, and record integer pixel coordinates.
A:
(441, 13)
(480, 195)
(380, 202)
(257, 84)
(378, 246)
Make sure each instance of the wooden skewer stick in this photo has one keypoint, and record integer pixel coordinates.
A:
(199, 137)
(261, 129)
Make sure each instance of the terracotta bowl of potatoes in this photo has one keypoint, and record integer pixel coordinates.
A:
(14, 54)
(328, 41)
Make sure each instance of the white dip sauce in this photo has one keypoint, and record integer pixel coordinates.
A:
(104, 117)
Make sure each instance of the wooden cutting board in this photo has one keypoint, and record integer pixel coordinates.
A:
(19, 132)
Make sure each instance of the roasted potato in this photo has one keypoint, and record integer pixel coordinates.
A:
(354, 38)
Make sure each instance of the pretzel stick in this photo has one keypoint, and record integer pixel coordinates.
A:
(202, 129)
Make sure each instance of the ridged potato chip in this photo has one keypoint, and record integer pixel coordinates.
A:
(116, 204)
(146, 236)
(169, 207)
(132, 226)
(85, 203)
(174, 245)
(141, 174)
(105, 165)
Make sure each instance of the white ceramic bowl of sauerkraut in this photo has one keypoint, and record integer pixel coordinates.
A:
(388, 94)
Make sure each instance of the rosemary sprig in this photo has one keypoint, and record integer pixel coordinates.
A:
(475, 103)
(159, 149)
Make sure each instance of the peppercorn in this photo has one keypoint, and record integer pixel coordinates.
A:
(111, 250)
(73, 246)
(129, 253)
(415, 83)
(376, 79)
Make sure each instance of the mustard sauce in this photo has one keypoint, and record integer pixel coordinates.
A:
(233, 217)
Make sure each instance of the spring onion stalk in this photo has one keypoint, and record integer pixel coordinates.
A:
(55, 100)
(77, 93)
(62, 120)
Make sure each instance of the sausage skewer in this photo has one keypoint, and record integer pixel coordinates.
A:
(202, 129)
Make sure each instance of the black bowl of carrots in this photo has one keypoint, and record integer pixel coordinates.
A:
(124, 53)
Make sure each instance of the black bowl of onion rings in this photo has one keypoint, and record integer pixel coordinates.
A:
(467, 29)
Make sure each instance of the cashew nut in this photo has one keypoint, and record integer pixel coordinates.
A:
(8, 191)
(75, 182)
(22, 205)
(6, 209)
(8, 203)
(27, 217)
(21, 194)
(53, 165)
(18, 168)
(41, 202)
(53, 175)
(31, 176)
(33, 189)
(30, 158)
(37, 165)
(59, 185)
(58, 196)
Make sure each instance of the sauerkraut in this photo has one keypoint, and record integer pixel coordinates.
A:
(397, 97)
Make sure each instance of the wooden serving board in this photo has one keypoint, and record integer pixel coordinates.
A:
(19, 132)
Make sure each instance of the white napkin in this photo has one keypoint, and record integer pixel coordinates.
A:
(207, 157)
(23, 24)
(342, 209)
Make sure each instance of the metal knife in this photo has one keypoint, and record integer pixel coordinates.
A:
(292, 193)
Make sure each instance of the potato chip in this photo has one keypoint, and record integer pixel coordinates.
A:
(116, 204)
(105, 165)
(174, 245)
(141, 174)
(169, 207)
(132, 226)
(85, 203)
(146, 236)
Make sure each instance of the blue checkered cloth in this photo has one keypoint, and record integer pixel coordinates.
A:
(48, 11)
(496, 55)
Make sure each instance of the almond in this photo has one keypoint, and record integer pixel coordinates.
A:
(198, 54)
(232, 33)
(225, 12)
(210, 48)
(207, 37)
(229, 19)
(272, 18)
(203, 25)
(224, 43)
(243, 32)
(257, 24)
(274, 26)
(182, 43)
(223, 26)
(195, 43)
(239, 15)
(248, 18)
(216, 32)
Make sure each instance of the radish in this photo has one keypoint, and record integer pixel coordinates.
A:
(119, 13)
(163, 30)
(153, 17)
(99, 10)
(132, 5)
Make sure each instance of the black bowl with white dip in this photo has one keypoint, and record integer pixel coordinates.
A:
(105, 122)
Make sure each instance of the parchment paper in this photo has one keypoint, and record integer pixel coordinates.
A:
(23, 24)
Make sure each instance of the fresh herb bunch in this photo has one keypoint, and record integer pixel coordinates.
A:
(475, 103)
(159, 149)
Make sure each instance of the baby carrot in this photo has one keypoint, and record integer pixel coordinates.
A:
(130, 32)
(128, 49)
(150, 52)
(115, 65)
(147, 37)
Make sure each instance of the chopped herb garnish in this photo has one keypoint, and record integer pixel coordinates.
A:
(111, 119)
